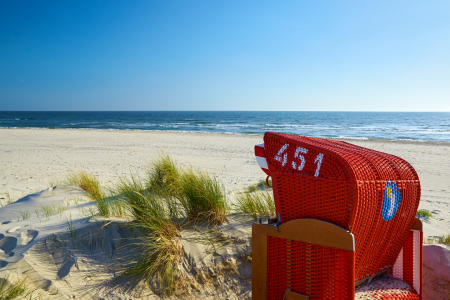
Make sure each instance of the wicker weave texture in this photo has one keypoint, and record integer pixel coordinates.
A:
(325, 274)
(386, 288)
(378, 242)
(372, 194)
(276, 268)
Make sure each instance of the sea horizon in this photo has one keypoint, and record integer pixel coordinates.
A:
(417, 126)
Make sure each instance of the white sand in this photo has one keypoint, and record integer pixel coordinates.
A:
(31, 159)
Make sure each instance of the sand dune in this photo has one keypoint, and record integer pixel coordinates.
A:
(80, 264)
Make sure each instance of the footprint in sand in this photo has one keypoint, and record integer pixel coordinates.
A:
(14, 229)
(65, 269)
(3, 263)
(28, 235)
(7, 244)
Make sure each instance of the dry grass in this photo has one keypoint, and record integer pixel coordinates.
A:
(15, 289)
(193, 194)
(202, 197)
(111, 207)
(424, 213)
(257, 204)
(87, 182)
(429, 240)
(106, 206)
(158, 248)
(8, 197)
(444, 239)
(261, 185)
(164, 175)
(159, 205)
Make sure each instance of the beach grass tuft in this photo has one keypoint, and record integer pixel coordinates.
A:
(87, 182)
(8, 197)
(111, 207)
(143, 203)
(88, 213)
(48, 211)
(59, 208)
(71, 229)
(202, 197)
(25, 214)
(17, 289)
(444, 239)
(160, 251)
(164, 175)
(257, 204)
(160, 205)
(103, 207)
(424, 213)
(261, 185)
(429, 240)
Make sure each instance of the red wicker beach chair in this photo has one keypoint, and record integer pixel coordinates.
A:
(346, 215)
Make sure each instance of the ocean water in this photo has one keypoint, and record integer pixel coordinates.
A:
(357, 125)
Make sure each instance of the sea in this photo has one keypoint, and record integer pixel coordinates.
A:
(417, 126)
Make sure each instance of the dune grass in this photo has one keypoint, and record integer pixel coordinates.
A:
(111, 207)
(444, 239)
(260, 186)
(60, 207)
(164, 175)
(159, 205)
(25, 214)
(87, 182)
(17, 289)
(48, 211)
(424, 213)
(71, 229)
(106, 206)
(8, 197)
(257, 204)
(202, 197)
(155, 217)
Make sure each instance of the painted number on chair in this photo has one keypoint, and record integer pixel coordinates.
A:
(299, 161)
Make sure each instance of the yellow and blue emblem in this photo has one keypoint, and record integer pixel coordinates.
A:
(391, 200)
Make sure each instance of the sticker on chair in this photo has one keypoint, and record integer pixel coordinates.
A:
(391, 200)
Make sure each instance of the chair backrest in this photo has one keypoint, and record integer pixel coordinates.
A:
(373, 195)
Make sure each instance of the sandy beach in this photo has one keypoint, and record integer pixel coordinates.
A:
(31, 160)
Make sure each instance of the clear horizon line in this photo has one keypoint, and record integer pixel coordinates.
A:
(360, 111)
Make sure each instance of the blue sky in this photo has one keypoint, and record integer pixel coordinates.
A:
(225, 55)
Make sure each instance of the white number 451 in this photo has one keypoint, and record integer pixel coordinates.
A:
(284, 158)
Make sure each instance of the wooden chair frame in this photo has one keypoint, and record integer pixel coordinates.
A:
(308, 231)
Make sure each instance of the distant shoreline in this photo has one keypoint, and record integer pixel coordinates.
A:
(336, 125)
(348, 139)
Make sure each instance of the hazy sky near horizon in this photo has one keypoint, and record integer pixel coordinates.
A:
(225, 55)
